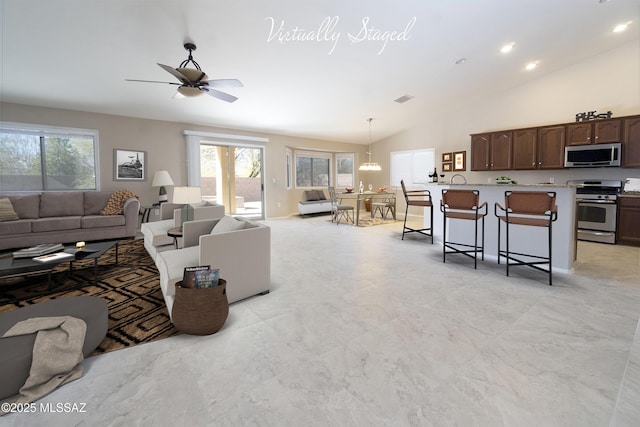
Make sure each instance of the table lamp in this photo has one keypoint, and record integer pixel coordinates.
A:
(162, 179)
(186, 196)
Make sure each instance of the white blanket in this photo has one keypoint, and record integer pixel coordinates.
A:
(57, 354)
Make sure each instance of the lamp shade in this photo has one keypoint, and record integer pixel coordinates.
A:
(186, 195)
(161, 178)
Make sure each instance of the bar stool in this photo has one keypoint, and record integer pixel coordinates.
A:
(531, 209)
(464, 205)
(417, 198)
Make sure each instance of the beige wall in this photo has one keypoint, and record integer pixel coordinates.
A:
(164, 143)
(607, 82)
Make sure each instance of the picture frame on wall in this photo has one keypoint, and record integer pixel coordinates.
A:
(447, 157)
(447, 167)
(460, 161)
(129, 165)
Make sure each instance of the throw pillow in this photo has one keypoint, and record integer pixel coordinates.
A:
(321, 195)
(311, 195)
(227, 223)
(116, 202)
(6, 211)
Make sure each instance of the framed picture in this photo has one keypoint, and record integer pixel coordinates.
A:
(460, 161)
(447, 157)
(129, 165)
(447, 167)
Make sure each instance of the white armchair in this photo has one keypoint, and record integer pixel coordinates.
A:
(155, 233)
(243, 257)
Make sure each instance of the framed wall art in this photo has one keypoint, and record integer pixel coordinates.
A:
(129, 165)
(447, 167)
(447, 157)
(460, 161)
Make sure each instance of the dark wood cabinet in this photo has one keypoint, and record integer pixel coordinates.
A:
(631, 143)
(543, 147)
(628, 231)
(551, 147)
(539, 148)
(596, 132)
(491, 151)
(480, 152)
(525, 149)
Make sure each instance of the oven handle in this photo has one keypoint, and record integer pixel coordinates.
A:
(600, 202)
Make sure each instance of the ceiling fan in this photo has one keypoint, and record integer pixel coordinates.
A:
(194, 81)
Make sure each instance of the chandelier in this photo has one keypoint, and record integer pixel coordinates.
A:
(370, 166)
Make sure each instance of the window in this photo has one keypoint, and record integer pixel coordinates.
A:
(412, 166)
(345, 172)
(46, 159)
(313, 169)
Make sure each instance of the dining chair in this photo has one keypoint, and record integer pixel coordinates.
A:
(420, 198)
(385, 205)
(339, 210)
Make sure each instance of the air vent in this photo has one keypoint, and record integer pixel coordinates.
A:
(403, 99)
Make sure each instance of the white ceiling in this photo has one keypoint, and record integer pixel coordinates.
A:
(76, 54)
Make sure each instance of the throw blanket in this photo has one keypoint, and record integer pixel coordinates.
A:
(57, 354)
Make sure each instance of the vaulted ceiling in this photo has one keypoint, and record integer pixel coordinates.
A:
(310, 68)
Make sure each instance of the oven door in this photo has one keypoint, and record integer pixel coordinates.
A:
(597, 215)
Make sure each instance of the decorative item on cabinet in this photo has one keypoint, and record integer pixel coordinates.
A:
(591, 115)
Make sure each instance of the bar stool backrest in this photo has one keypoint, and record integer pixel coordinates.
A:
(530, 202)
(461, 199)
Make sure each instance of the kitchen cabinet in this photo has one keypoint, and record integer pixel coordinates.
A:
(594, 132)
(538, 148)
(631, 143)
(491, 151)
(628, 232)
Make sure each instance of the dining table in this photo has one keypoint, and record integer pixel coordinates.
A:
(361, 197)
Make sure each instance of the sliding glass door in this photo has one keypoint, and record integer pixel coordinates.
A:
(231, 175)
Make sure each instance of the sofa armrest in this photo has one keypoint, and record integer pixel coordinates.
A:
(131, 210)
(192, 230)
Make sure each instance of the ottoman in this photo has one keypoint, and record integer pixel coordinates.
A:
(16, 352)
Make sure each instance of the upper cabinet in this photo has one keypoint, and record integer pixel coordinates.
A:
(543, 147)
(491, 151)
(631, 143)
(596, 132)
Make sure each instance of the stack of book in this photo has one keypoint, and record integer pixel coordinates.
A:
(34, 251)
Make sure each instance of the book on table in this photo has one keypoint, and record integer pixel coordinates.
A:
(201, 276)
(34, 251)
(57, 256)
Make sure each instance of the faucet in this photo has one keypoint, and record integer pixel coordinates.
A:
(464, 180)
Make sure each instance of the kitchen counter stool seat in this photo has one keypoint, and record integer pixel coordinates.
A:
(463, 205)
(529, 209)
(420, 198)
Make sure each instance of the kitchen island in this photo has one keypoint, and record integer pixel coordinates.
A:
(523, 239)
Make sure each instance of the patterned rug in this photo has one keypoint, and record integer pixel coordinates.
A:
(137, 312)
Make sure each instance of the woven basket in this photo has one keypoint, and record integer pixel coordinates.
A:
(200, 311)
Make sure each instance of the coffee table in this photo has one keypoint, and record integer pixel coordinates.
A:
(10, 267)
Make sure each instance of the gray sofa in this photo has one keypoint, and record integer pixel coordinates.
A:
(66, 217)
(315, 202)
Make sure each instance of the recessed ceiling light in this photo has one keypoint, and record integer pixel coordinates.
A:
(461, 61)
(507, 48)
(531, 66)
(621, 27)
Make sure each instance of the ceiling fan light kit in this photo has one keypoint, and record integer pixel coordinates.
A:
(193, 81)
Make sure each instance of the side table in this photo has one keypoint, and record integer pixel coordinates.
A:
(175, 233)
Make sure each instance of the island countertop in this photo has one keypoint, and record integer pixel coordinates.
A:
(495, 184)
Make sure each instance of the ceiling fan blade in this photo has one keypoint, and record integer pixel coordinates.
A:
(152, 81)
(177, 74)
(220, 95)
(223, 83)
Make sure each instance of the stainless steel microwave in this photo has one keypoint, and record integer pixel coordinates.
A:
(592, 156)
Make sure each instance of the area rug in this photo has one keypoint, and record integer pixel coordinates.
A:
(137, 312)
(368, 222)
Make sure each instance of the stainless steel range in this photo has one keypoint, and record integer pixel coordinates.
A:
(597, 209)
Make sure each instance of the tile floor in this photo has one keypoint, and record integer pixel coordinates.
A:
(364, 329)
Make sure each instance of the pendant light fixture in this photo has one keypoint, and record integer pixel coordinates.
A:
(370, 166)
